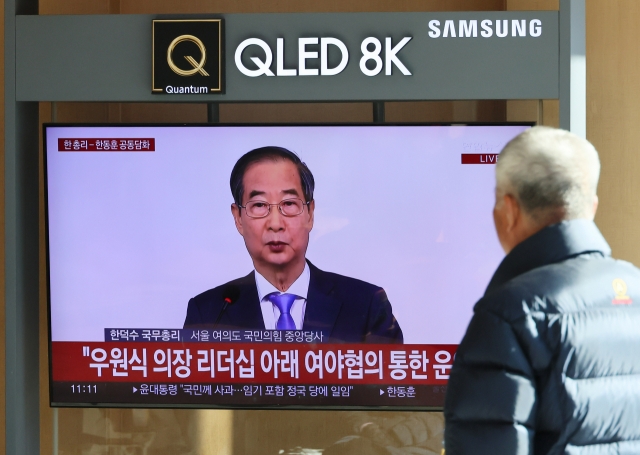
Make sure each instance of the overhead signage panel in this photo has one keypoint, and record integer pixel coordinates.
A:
(292, 57)
(394, 56)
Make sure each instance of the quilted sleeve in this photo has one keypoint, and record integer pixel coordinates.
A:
(491, 396)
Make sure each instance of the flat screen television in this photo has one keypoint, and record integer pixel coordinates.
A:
(163, 293)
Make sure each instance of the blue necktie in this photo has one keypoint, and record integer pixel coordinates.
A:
(284, 303)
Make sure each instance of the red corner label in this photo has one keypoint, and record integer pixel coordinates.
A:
(106, 144)
(480, 158)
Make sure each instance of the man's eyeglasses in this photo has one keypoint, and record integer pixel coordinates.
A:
(287, 207)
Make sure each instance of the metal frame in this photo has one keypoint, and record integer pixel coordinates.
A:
(376, 123)
(22, 216)
(573, 67)
(22, 383)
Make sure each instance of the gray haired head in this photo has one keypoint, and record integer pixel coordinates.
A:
(269, 153)
(552, 173)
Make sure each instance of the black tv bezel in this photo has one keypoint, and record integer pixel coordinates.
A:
(215, 125)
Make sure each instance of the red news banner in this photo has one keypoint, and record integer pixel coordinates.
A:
(107, 144)
(251, 363)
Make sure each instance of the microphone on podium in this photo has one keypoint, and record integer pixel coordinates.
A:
(230, 295)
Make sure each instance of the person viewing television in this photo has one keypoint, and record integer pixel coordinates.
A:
(550, 361)
(273, 211)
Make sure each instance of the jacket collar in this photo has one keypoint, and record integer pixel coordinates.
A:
(321, 312)
(552, 244)
(322, 306)
(246, 311)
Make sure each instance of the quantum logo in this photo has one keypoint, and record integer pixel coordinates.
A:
(190, 48)
(198, 67)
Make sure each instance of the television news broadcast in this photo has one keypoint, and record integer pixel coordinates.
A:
(167, 289)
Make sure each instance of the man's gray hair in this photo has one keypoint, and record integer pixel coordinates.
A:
(552, 173)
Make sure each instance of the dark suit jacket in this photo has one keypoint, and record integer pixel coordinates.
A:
(346, 309)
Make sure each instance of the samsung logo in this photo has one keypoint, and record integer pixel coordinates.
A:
(486, 28)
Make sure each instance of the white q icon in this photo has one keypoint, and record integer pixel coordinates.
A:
(263, 67)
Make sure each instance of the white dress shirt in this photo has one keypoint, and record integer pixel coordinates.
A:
(270, 312)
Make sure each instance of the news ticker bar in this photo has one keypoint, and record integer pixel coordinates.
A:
(247, 395)
(247, 363)
(215, 336)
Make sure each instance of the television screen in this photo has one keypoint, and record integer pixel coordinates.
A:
(265, 266)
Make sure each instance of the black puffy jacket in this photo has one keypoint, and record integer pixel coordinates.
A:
(550, 363)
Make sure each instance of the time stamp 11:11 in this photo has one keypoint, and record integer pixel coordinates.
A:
(84, 388)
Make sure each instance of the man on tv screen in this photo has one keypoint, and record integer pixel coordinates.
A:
(273, 211)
